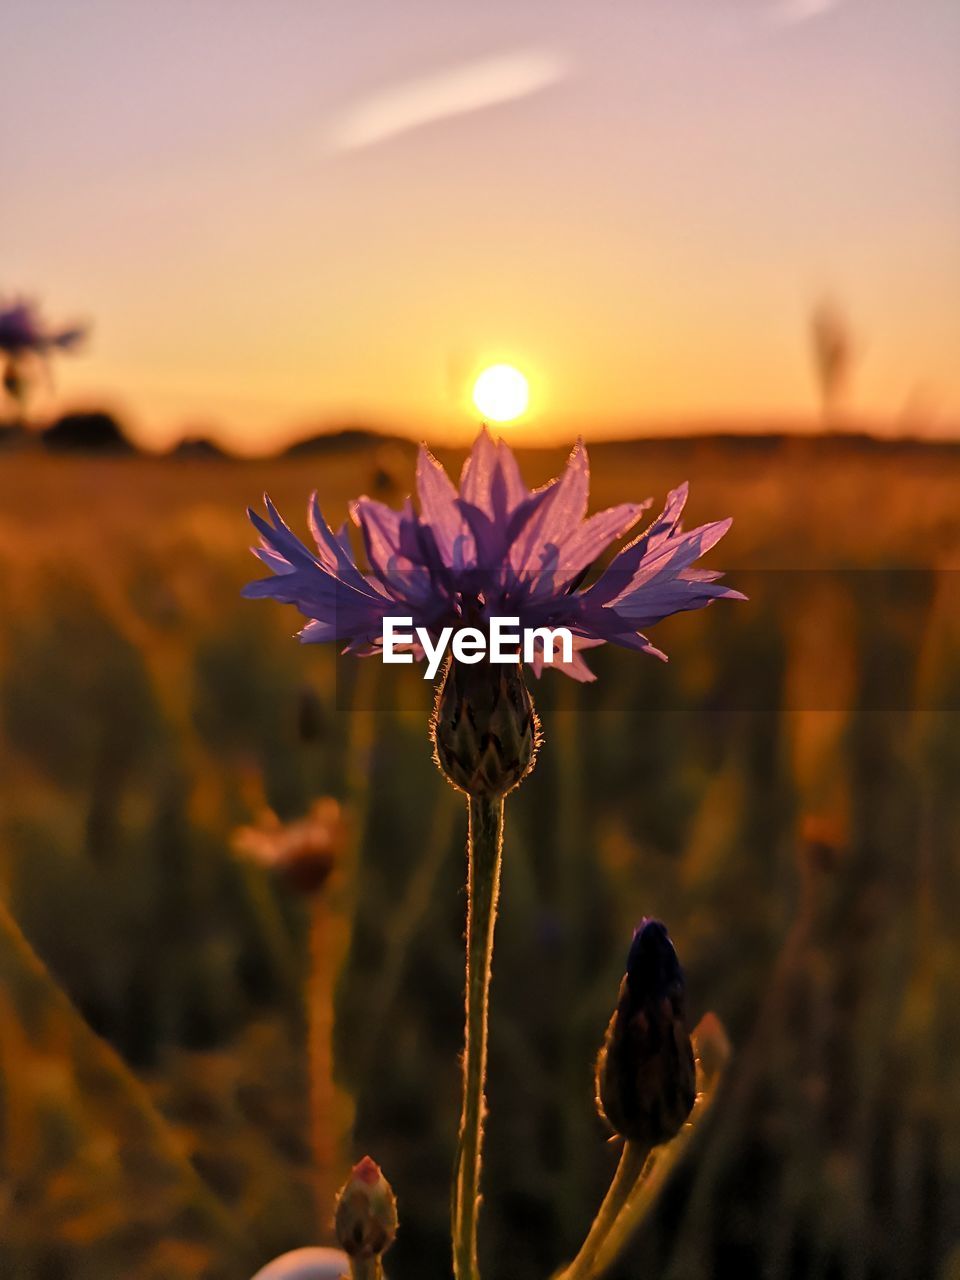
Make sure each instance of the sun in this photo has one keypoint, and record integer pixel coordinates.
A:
(501, 393)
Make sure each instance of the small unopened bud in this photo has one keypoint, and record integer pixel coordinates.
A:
(485, 729)
(646, 1078)
(366, 1214)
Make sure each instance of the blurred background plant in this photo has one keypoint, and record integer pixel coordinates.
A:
(27, 342)
(833, 355)
(305, 854)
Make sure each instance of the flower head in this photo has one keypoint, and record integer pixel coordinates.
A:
(492, 548)
(23, 331)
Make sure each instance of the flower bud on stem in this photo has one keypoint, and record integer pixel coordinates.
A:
(485, 729)
(646, 1077)
(366, 1220)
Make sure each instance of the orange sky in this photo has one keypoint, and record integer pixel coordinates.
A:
(281, 216)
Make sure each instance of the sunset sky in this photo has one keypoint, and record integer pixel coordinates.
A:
(287, 214)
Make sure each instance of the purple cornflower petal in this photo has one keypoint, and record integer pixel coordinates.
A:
(479, 474)
(440, 511)
(577, 668)
(492, 548)
(562, 507)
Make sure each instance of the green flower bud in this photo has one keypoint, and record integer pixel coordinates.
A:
(646, 1076)
(485, 729)
(366, 1214)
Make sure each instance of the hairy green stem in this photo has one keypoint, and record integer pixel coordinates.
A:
(632, 1160)
(484, 846)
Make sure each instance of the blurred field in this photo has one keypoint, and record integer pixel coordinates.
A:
(784, 794)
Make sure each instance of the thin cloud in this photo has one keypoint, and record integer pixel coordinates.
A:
(455, 91)
(790, 13)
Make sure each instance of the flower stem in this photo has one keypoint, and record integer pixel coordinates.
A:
(323, 1093)
(484, 846)
(632, 1160)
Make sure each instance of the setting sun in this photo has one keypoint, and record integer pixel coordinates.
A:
(501, 393)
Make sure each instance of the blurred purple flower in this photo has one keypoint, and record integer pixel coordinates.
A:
(491, 549)
(23, 331)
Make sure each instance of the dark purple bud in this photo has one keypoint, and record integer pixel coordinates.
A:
(646, 1078)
